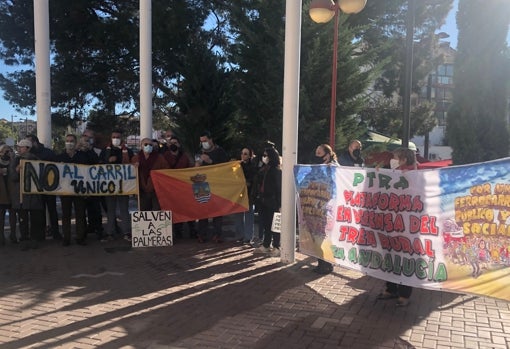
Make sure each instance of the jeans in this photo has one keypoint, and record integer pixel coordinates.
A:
(120, 202)
(244, 223)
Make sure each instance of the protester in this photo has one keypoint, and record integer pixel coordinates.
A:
(269, 200)
(29, 207)
(166, 137)
(257, 160)
(94, 217)
(89, 137)
(210, 154)
(50, 201)
(324, 154)
(352, 155)
(117, 152)
(70, 202)
(6, 154)
(146, 160)
(244, 221)
(178, 158)
(403, 160)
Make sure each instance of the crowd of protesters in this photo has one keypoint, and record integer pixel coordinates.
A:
(33, 218)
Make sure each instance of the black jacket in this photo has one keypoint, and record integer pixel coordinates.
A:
(269, 188)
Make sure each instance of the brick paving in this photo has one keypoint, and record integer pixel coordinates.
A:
(190, 295)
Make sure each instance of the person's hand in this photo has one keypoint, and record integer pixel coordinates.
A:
(112, 159)
(205, 158)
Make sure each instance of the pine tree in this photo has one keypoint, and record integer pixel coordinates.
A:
(477, 130)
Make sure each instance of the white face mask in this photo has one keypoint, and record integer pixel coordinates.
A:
(206, 145)
(115, 142)
(394, 163)
(147, 148)
(69, 145)
(265, 160)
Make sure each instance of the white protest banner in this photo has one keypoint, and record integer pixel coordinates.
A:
(151, 228)
(55, 178)
(443, 229)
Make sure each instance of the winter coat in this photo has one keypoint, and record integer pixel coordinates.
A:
(27, 201)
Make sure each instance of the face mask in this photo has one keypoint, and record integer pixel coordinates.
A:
(356, 153)
(69, 145)
(265, 160)
(319, 159)
(394, 163)
(206, 145)
(115, 142)
(6, 157)
(174, 147)
(147, 148)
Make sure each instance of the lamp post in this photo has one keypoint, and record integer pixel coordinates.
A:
(411, 6)
(322, 11)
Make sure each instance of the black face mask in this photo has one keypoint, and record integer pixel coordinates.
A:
(174, 147)
(318, 160)
(6, 157)
(356, 153)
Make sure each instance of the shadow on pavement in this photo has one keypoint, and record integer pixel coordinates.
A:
(195, 296)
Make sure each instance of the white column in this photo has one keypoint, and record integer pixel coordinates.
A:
(290, 127)
(145, 68)
(42, 71)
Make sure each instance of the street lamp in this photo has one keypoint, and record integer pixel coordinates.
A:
(321, 11)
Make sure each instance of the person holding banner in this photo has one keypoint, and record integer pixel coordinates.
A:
(404, 159)
(210, 154)
(29, 207)
(352, 155)
(92, 203)
(73, 156)
(117, 152)
(178, 158)
(324, 154)
(50, 201)
(269, 199)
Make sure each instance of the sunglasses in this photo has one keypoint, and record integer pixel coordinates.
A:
(146, 144)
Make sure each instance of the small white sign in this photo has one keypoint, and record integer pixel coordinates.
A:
(276, 225)
(151, 228)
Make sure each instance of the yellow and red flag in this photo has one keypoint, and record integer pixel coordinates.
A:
(201, 192)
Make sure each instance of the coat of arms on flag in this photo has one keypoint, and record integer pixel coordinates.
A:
(201, 189)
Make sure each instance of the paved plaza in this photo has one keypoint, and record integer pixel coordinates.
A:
(191, 295)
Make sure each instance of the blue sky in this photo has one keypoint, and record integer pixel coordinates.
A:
(450, 27)
(6, 111)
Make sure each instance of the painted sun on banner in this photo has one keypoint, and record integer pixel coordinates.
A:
(443, 229)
